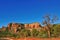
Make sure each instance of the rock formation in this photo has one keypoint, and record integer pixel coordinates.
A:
(3, 28)
(33, 25)
(14, 26)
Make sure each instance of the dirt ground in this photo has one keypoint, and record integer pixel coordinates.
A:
(36, 39)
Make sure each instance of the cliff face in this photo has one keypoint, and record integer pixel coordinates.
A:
(14, 26)
(33, 25)
(3, 28)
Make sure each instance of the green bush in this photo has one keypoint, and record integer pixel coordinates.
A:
(55, 31)
(24, 33)
(43, 34)
(5, 34)
(34, 33)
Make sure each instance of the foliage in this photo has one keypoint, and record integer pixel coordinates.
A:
(5, 34)
(55, 31)
(24, 33)
(42, 34)
(34, 33)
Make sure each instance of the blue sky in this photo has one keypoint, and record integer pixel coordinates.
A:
(27, 11)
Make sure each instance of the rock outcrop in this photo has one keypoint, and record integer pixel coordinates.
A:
(14, 26)
(33, 25)
(3, 28)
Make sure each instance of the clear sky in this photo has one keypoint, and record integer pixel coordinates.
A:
(27, 11)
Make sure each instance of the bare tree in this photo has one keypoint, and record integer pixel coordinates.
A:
(48, 20)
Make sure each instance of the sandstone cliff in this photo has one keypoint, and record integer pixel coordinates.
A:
(14, 26)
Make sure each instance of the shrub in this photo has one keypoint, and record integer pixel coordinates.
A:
(24, 33)
(34, 33)
(55, 31)
(42, 34)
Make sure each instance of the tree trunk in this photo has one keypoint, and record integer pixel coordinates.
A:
(49, 34)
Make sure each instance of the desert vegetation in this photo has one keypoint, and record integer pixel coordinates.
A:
(18, 30)
(55, 32)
